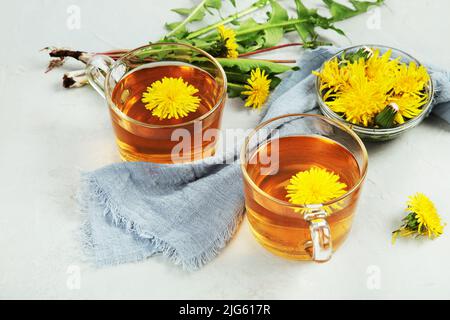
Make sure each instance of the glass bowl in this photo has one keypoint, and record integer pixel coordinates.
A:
(378, 134)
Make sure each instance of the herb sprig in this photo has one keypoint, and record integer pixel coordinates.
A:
(251, 37)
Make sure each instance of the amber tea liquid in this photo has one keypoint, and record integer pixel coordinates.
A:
(279, 228)
(149, 143)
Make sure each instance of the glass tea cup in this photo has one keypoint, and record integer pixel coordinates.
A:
(274, 152)
(141, 136)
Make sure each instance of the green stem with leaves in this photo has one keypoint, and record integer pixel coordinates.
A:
(254, 7)
(187, 20)
(235, 86)
(270, 25)
(264, 26)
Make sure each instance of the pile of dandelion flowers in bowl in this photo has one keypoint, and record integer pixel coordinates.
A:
(370, 89)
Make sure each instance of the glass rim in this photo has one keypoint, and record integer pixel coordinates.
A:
(112, 105)
(303, 115)
(376, 131)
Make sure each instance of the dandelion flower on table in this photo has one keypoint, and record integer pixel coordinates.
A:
(257, 89)
(171, 98)
(422, 219)
(228, 37)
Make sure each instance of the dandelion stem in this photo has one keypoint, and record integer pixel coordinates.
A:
(270, 26)
(187, 20)
(254, 7)
(75, 79)
(276, 60)
(231, 85)
(270, 49)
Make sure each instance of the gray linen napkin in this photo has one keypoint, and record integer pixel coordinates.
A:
(189, 212)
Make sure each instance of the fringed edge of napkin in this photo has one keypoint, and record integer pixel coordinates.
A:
(90, 192)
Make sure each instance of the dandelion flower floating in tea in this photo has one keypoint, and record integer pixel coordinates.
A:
(257, 89)
(228, 38)
(362, 85)
(422, 219)
(171, 98)
(315, 186)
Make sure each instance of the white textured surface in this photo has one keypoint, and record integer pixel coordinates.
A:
(48, 134)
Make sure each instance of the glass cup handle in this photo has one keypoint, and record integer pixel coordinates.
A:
(96, 70)
(320, 246)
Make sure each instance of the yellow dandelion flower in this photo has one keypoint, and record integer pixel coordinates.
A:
(171, 98)
(426, 214)
(258, 89)
(409, 106)
(382, 68)
(361, 100)
(422, 219)
(333, 77)
(315, 186)
(411, 79)
(228, 36)
(409, 84)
